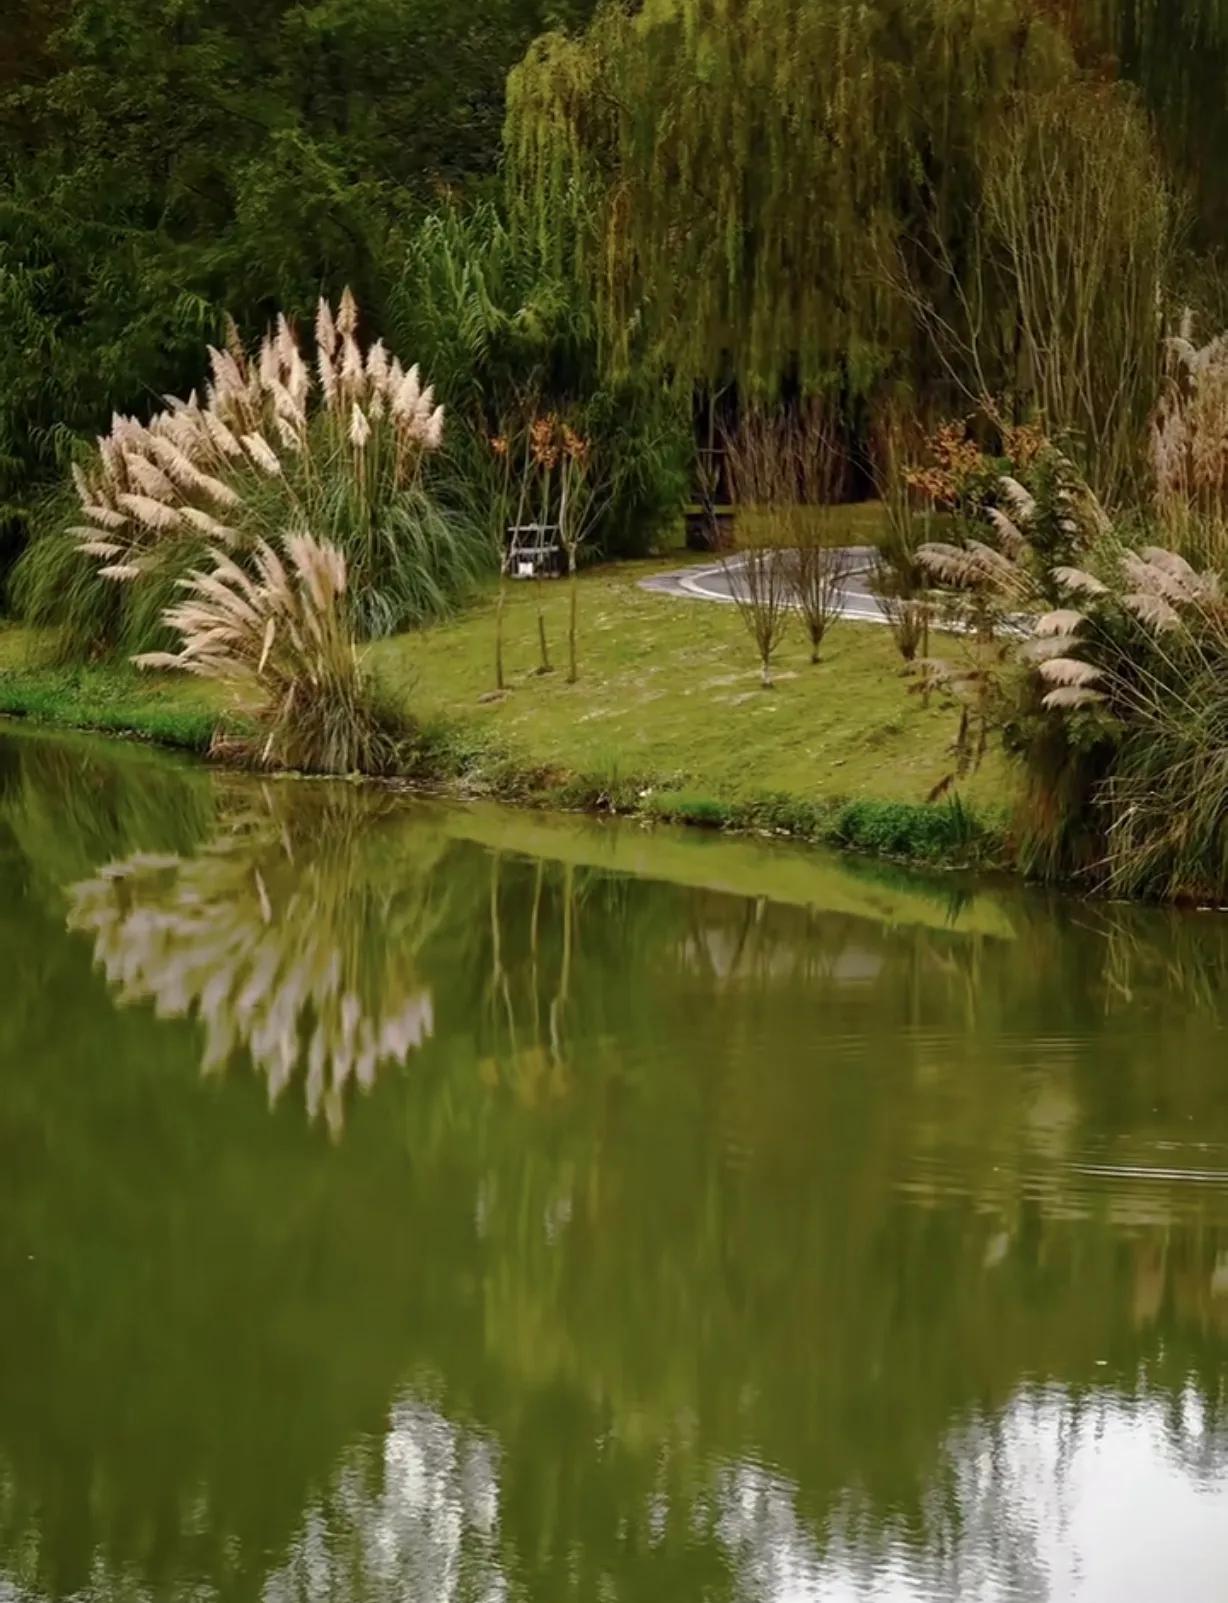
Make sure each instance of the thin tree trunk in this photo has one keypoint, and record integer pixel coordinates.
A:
(572, 671)
(542, 524)
(543, 648)
(499, 684)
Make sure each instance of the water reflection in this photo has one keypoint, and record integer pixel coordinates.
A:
(291, 934)
(863, 1240)
(414, 1515)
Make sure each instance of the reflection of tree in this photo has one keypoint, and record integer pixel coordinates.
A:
(526, 995)
(418, 1518)
(287, 935)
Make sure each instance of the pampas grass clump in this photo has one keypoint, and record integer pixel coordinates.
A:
(337, 444)
(1148, 653)
(279, 636)
(1189, 446)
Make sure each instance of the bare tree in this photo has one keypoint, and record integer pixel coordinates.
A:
(899, 581)
(812, 469)
(757, 570)
(787, 471)
(759, 583)
(582, 496)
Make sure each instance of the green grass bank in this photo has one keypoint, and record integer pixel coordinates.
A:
(668, 720)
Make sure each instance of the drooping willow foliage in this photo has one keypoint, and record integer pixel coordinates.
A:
(1177, 52)
(796, 192)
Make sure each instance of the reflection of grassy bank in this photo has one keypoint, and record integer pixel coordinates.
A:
(666, 722)
(822, 882)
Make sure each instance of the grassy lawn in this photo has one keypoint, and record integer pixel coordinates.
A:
(669, 700)
(668, 718)
(169, 708)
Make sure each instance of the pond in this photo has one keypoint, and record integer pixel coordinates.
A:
(413, 1201)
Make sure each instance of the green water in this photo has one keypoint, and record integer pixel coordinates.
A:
(412, 1202)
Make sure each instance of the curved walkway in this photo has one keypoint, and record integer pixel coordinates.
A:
(712, 583)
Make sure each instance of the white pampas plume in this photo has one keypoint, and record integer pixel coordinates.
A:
(1070, 696)
(217, 491)
(149, 479)
(186, 429)
(111, 456)
(262, 453)
(1023, 504)
(432, 433)
(227, 379)
(347, 314)
(177, 464)
(287, 346)
(153, 514)
(1068, 671)
(298, 380)
(1062, 622)
(208, 525)
(121, 571)
(269, 366)
(405, 402)
(285, 407)
(1152, 610)
(328, 375)
(1079, 583)
(85, 493)
(326, 329)
(106, 516)
(1182, 348)
(360, 429)
(288, 434)
(125, 430)
(234, 340)
(105, 549)
(377, 365)
(351, 366)
(222, 437)
(1007, 531)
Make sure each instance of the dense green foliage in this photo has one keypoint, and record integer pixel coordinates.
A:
(161, 164)
(507, 335)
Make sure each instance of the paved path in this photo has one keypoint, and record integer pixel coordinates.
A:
(711, 583)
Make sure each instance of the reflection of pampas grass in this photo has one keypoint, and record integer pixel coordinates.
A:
(284, 938)
(285, 632)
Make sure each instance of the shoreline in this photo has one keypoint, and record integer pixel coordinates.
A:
(947, 834)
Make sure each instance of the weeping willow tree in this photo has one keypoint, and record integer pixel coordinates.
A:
(773, 190)
(1177, 53)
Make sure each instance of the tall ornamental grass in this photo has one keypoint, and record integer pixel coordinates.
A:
(279, 637)
(338, 442)
(1137, 661)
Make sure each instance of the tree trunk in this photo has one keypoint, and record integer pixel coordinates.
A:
(572, 672)
(499, 684)
(543, 648)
